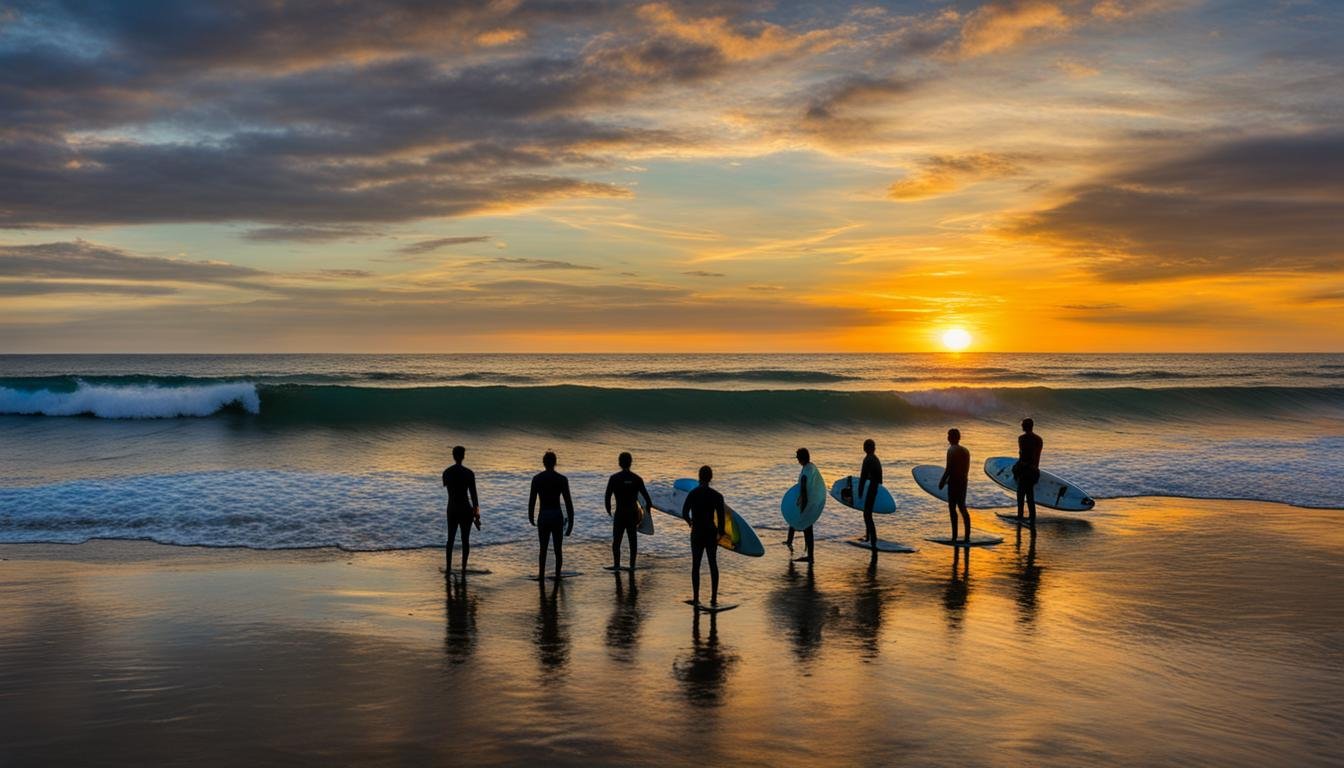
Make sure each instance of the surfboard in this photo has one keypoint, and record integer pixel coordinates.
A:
(883, 546)
(739, 537)
(704, 608)
(625, 568)
(563, 574)
(977, 540)
(645, 520)
(883, 505)
(1051, 490)
(801, 518)
(927, 477)
(469, 571)
(1015, 520)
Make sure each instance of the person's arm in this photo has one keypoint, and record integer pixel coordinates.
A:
(648, 502)
(802, 490)
(721, 512)
(475, 500)
(569, 507)
(947, 469)
(532, 504)
(865, 474)
(686, 509)
(606, 497)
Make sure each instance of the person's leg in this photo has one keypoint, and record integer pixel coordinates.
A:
(952, 513)
(543, 539)
(807, 539)
(558, 537)
(789, 541)
(1031, 496)
(713, 552)
(870, 527)
(632, 536)
(965, 515)
(448, 548)
(696, 550)
(616, 531)
(466, 542)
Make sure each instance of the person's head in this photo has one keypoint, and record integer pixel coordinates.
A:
(804, 456)
(954, 436)
(869, 446)
(624, 459)
(548, 460)
(459, 453)
(706, 474)
(1028, 425)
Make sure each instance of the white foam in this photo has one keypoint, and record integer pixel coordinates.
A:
(145, 401)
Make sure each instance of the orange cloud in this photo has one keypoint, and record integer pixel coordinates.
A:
(1001, 25)
(942, 175)
(768, 41)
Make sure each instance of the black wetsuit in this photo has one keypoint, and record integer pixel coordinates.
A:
(804, 493)
(705, 511)
(462, 504)
(548, 488)
(870, 477)
(956, 476)
(1027, 470)
(626, 487)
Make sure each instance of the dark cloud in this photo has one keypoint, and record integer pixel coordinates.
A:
(855, 90)
(1262, 205)
(703, 273)
(41, 288)
(525, 263)
(309, 234)
(84, 260)
(1186, 315)
(429, 246)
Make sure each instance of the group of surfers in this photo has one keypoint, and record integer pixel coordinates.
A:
(704, 509)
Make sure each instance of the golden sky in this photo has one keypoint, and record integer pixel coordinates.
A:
(1048, 175)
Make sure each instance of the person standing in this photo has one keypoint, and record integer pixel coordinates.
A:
(705, 511)
(809, 485)
(956, 476)
(548, 488)
(1027, 470)
(626, 487)
(464, 508)
(870, 477)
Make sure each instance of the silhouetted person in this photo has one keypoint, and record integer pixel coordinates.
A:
(870, 477)
(705, 511)
(626, 487)
(704, 671)
(460, 632)
(805, 494)
(550, 635)
(463, 507)
(623, 626)
(1028, 577)
(1027, 470)
(549, 487)
(956, 476)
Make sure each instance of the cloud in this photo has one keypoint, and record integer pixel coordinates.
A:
(46, 287)
(1171, 316)
(526, 263)
(429, 246)
(703, 273)
(997, 26)
(81, 259)
(307, 234)
(1273, 204)
(942, 175)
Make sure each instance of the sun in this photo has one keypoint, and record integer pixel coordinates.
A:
(956, 339)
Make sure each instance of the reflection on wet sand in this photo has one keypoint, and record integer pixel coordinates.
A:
(703, 672)
(626, 616)
(1028, 575)
(551, 635)
(958, 588)
(866, 621)
(459, 636)
(801, 610)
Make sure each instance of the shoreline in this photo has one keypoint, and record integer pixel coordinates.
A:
(1070, 652)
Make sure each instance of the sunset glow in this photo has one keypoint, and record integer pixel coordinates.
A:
(1070, 175)
(956, 339)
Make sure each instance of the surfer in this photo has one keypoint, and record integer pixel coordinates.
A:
(805, 492)
(1027, 470)
(464, 509)
(705, 511)
(627, 487)
(549, 487)
(956, 476)
(870, 477)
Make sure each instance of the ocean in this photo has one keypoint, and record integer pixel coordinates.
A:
(299, 451)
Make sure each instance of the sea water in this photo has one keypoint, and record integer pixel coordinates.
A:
(287, 451)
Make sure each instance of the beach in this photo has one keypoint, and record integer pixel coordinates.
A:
(1152, 631)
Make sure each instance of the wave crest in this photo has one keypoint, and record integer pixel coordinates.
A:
(148, 401)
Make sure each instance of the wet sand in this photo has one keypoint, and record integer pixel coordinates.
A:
(1159, 632)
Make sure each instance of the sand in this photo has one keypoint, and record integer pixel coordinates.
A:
(1159, 632)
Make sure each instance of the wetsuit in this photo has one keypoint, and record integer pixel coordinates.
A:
(870, 477)
(626, 487)
(462, 505)
(804, 493)
(548, 488)
(705, 511)
(956, 476)
(1027, 470)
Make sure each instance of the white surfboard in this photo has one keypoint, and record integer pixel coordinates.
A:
(977, 540)
(799, 519)
(883, 546)
(848, 487)
(1051, 490)
(927, 477)
(645, 520)
(740, 536)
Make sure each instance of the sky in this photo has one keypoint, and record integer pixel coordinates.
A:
(565, 175)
